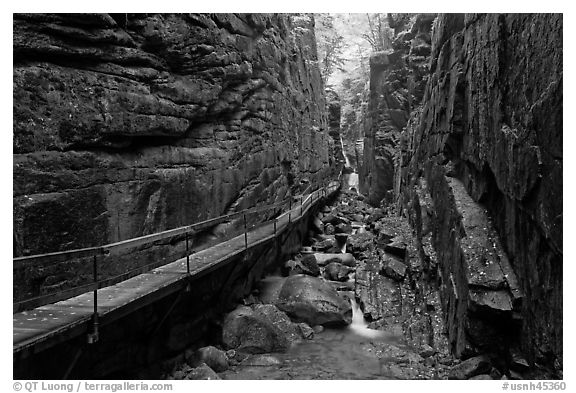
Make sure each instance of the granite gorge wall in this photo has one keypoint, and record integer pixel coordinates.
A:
(481, 177)
(130, 124)
(397, 80)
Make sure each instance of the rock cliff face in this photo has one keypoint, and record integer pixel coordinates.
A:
(397, 80)
(334, 114)
(481, 178)
(130, 124)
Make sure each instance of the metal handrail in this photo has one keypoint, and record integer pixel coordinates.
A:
(115, 248)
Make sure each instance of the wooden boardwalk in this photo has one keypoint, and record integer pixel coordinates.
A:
(50, 324)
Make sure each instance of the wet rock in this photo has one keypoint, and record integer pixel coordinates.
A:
(306, 331)
(359, 243)
(343, 258)
(279, 319)
(357, 217)
(495, 373)
(343, 228)
(333, 219)
(324, 245)
(375, 216)
(259, 330)
(306, 265)
(494, 300)
(427, 351)
(311, 300)
(236, 357)
(341, 286)
(337, 272)
(341, 238)
(392, 267)
(202, 372)
(481, 377)
(215, 358)
(518, 362)
(385, 235)
(250, 299)
(470, 368)
(261, 361)
(397, 247)
(181, 372)
(379, 296)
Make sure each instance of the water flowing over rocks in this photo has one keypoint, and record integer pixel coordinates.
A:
(440, 259)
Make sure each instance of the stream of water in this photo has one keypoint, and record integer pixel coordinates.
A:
(344, 353)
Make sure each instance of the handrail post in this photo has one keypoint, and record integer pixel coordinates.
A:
(187, 256)
(275, 226)
(93, 337)
(245, 232)
(301, 202)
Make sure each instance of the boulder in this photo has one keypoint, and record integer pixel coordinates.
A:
(357, 217)
(261, 328)
(261, 361)
(482, 377)
(392, 267)
(324, 245)
(359, 243)
(470, 368)
(306, 265)
(343, 228)
(397, 246)
(426, 351)
(342, 286)
(518, 362)
(378, 214)
(213, 357)
(337, 272)
(202, 372)
(329, 229)
(333, 219)
(311, 300)
(341, 239)
(324, 259)
(306, 331)
(385, 235)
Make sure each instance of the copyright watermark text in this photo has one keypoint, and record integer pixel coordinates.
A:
(84, 386)
(526, 386)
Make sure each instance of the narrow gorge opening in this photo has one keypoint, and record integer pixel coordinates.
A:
(287, 196)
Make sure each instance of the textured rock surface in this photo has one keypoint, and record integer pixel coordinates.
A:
(260, 329)
(490, 133)
(397, 80)
(131, 127)
(215, 358)
(130, 124)
(311, 300)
